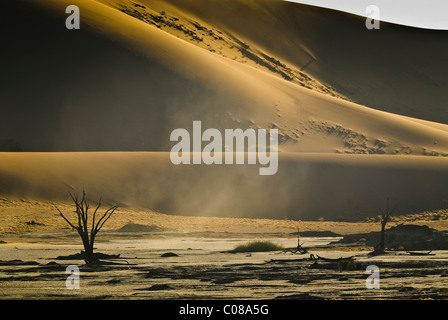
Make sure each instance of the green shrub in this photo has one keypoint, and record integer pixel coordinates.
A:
(258, 246)
(347, 264)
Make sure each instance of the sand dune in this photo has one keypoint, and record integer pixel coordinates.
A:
(307, 186)
(375, 69)
(128, 99)
(137, 71)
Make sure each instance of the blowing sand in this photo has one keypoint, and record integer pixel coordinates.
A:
(362, 121)
(22, 217)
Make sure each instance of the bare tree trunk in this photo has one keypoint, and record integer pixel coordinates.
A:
(89, 251)
(382, 241)
(89, 257)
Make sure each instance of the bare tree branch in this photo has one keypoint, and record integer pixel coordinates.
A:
(62, 215)
(94, 216)
(107, 214)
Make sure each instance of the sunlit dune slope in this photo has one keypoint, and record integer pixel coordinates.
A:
(397, 69)
(124, 83)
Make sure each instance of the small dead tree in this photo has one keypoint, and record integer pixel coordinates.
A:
(298, 236)
(299, 248)
(384, 219)
(87, 234)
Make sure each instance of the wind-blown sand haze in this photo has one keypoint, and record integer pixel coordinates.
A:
(362, 123)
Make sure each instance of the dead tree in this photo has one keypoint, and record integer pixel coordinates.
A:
(87, 234)
(299, 248)
(384, 219)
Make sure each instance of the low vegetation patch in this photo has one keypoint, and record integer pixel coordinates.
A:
(258, 246)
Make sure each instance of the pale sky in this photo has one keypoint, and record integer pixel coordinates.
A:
(430, 14)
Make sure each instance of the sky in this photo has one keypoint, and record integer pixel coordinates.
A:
(428, 14)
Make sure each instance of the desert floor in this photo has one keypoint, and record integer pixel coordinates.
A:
(37, 246)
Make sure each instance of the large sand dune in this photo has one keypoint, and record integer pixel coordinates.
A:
(307, 186)
(129, 94)
(374, 68)
(136, 71)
